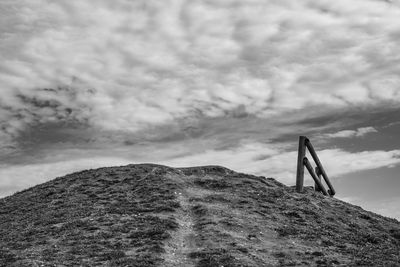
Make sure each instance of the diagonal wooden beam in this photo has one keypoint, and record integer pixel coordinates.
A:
(314, 176)
(319, 165)
(318, 173)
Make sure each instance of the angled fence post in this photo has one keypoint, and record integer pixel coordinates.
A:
(314, 176)
(300, 164)
(320, 168)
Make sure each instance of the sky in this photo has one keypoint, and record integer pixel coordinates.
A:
(87, 84)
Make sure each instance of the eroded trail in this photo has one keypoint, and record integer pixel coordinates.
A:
(182, 242)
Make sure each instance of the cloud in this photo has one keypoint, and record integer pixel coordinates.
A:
(336, 162)
(351, 133)
(275, 160)
(130, 66)
(271, 160)
(387, 206)
(340, 162)
(14, 178)
(365, 130)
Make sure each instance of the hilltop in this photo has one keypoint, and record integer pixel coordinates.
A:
(152, 215)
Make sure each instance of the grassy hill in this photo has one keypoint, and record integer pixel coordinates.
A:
(152, 215)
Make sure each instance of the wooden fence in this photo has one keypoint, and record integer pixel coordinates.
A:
(302, 161)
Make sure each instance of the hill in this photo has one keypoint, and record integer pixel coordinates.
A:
(152, 215)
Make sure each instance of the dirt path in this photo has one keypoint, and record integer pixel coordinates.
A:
(182, 242)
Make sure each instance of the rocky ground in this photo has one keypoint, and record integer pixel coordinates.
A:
(151, 215)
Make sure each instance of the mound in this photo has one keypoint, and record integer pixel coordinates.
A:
(151, 215)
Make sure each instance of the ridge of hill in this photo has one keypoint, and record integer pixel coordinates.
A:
(152, 215)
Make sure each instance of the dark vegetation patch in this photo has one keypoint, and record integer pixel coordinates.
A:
(206, 170)
(216, 199)
(7, 256)
(215, 258)
(199, 210)
(212, 183)
(287, 231)
(395, 233)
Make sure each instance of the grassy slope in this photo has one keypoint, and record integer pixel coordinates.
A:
(150, 215)
(250, 221)
(104, 216)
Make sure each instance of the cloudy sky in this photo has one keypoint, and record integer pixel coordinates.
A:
(86, 84)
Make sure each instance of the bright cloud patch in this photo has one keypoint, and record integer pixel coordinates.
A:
(351, 133)
(17, 177)
(249, 157)
(274, 161)
(387, 207)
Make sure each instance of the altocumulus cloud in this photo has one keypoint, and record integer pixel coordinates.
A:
(126, 65)
(132, 66)
(351, 133)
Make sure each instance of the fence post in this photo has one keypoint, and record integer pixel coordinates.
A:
(300, 164)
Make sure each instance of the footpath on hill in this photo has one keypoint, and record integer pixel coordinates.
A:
(152, 215)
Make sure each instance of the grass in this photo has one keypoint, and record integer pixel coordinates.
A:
(124, 216)
(95, 217)
(348, 234)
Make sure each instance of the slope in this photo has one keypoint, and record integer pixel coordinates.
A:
(152, 215)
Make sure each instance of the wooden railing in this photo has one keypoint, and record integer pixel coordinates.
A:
(302, 161)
